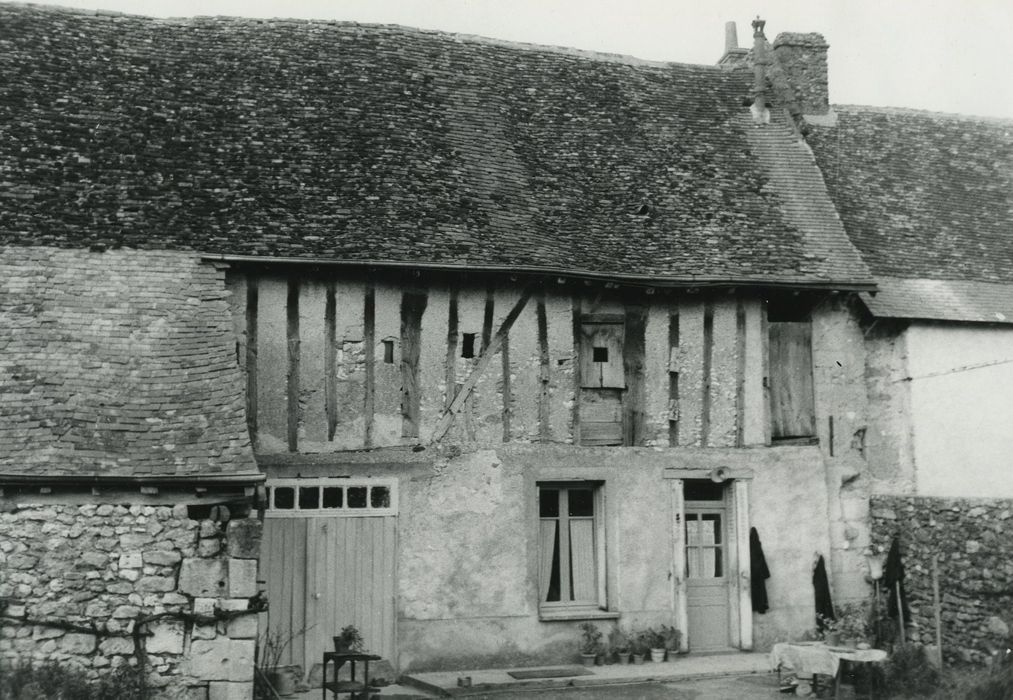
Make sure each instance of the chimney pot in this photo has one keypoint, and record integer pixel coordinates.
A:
(731, 37)
(758, 25)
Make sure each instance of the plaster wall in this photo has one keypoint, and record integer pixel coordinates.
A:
(961, 409)
(468, 546)
(841, 423)
(888, 441)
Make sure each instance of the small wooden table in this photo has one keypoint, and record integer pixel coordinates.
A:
(357, 690)
(819, 659)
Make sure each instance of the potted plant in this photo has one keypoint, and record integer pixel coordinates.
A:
(350, 639)
(655, 640)
(270, 649)
(673, 638)
(619, 645)
(638, 648)
(590, 643)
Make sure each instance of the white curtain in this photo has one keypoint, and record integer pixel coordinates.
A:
(585, 586)
(546, 549)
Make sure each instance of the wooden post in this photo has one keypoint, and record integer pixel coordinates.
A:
(900, 612)
(936, 609)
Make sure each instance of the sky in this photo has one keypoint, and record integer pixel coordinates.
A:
(945, 56)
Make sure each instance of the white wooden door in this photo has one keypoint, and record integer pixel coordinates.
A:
(707, 577)
(328, 560)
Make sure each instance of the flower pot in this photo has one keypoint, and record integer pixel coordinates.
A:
(623, 658)
(637, 658)
(281, 679)
(587, 659)
(657, 655)
(599, 660)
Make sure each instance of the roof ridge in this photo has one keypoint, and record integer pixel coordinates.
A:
(461, 37)
(917, 112)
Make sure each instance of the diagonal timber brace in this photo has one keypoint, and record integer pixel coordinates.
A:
(447, 419)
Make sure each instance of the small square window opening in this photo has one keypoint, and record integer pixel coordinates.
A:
(467, 345)
(600, 355)
(388, 352)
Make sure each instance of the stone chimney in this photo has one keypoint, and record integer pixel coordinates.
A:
(733, 55)
(761, 70)
(802, 59)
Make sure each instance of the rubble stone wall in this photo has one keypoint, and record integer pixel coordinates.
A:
(971, 539)
(107, 567)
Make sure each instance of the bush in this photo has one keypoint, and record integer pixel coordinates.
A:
(999, 684)
(909, 673)
(52, 681)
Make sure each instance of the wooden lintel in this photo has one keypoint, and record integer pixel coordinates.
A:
(480, 366)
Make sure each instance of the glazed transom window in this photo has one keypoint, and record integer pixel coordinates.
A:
(331, 497)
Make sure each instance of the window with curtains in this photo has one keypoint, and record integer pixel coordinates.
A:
(571, 547)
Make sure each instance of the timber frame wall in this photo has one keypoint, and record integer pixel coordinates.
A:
(348, 360)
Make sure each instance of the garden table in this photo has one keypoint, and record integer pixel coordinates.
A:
(818, 658)
(355, 689)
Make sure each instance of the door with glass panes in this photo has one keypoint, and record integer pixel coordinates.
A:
(707, 578)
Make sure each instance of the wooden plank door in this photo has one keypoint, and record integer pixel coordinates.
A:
(792, 411)
(328, 560)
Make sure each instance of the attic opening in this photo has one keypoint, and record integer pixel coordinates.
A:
(468, 344)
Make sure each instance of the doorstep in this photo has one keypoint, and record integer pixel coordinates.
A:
(444, 683)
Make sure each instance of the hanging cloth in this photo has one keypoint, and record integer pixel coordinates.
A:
(821, 586)
(893, 574)
(758, 573)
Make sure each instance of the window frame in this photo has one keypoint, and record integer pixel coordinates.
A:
(344, 511)
(575, 609)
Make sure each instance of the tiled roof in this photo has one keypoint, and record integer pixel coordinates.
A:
(344, 142)
(945, 300)
(118, 364)
(924, 196)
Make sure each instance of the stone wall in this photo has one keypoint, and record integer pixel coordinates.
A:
(975, 555)
(108, 568)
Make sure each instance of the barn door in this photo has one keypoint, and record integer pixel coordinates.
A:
(328, 560)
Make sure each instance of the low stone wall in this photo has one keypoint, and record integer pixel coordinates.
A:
(99, 585)
(971, 539)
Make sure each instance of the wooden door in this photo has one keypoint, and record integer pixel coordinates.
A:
(707, 579)
(328, 567)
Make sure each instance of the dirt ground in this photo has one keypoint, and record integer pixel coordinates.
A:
(753, 687)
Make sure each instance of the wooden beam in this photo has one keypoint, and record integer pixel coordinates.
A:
(292, 384)
(252, 303)
(413, 306)
(330, 362)
(369, 340)
(487, 318)
(544, 431)
(452, 333)
(633, 360)
(673, 378)
(480, 366)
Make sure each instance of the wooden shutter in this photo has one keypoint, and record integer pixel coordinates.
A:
(792, 412)
(607, 373)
